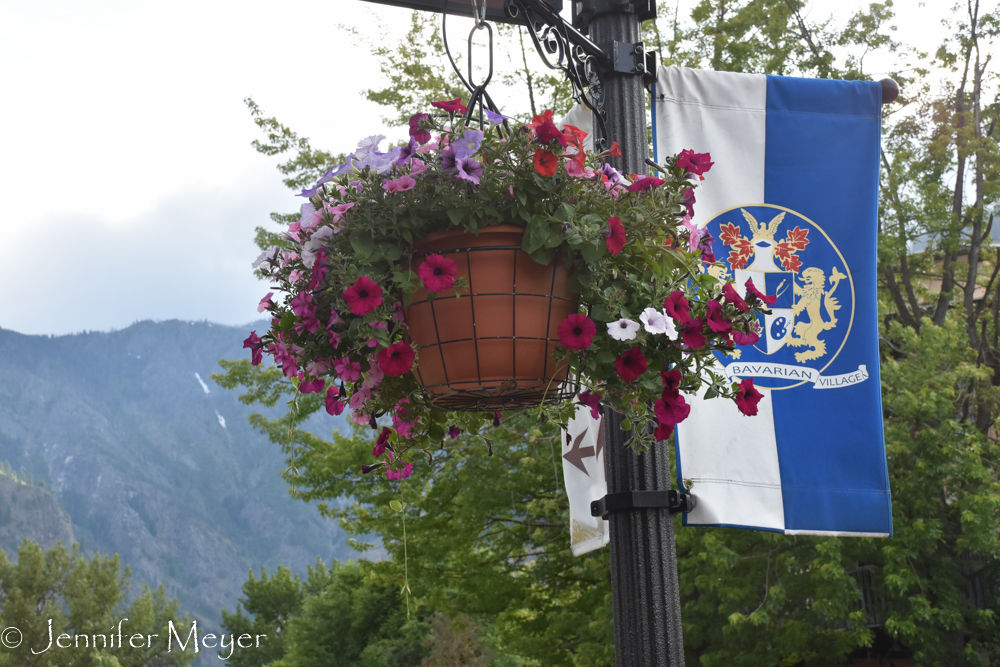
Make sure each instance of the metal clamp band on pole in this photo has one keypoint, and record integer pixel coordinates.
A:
(670, 500)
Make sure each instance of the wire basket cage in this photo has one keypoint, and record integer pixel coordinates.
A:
(491, 348)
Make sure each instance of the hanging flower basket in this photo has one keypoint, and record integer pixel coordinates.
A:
(474, 271)
(492, 347)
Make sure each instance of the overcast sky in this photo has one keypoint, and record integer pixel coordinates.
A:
(129, 187)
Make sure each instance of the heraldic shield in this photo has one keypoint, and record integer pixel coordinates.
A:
(792, 258)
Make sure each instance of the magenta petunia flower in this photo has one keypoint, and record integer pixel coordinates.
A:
(469, 169)
(677, 307)
(747, 397)
(334, 405)
(689, 202)
(705, 244)
(363, 296)
(438, 273)
(347, 370)
(421, 135)
(314, 386)
(752, 291)
(454, 432)
(547, 132)
(256, 348)
(615, 236)
(382, 442)
(663, 432)
(717, 321)
(400, 473)
(694, 163)
(733, 298)
(592, 401)
(646, 183)
(301, 304)
(671, 380)
(692, 334)
(745, 338)
(451, 106)
(396, 359)
(631, 365)
(671, 409)
(577, 331)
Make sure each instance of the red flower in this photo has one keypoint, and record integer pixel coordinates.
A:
(753, 291)
(547, 132)
(363, 296)
(574, 135)
(545, 162)
(547, 115)
(718, 322)
(677, 307)
(694, 163)
(692, 334)
(438, 273)
(334, 405)
(732, 297)
(396, 359)
(577, 332)
(663, 432)
(614, 151)
(671, 380)
(671, 409)
(382, 442)
(615, 239)
(631, 365)
(451, 106)
(645, 183)
(592, 401)
(747, 397)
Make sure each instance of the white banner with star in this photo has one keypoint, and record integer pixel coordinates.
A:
(583, 472)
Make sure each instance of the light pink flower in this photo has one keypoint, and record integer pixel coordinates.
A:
(401, 184)
(347, 370)
(265, 303)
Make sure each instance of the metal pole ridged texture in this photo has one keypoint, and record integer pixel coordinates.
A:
(644, 587)
(624, 96)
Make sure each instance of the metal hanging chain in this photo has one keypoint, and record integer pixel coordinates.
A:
(477, 93)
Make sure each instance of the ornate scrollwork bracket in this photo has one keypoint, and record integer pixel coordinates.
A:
(562, 47)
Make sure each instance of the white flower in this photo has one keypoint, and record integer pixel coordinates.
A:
(317, 241)
(623, 329)
(657, 322)
(267, 259)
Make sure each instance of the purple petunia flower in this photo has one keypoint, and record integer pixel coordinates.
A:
(494, 118)
(470, 169)
(407, 153)
(448, 159)
(468, 143)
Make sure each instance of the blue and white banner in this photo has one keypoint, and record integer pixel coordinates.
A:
(792, 202)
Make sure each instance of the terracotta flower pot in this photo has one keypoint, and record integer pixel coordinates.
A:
(491, 348)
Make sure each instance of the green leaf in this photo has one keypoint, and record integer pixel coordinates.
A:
(362, 243)
(396, 505)
(543, 256)
(605, 357)
(711, 393)
(390, 252)
(456, 216)
(535, 234)
(600, 313)
(591, 253)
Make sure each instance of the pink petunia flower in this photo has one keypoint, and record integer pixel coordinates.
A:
(646, 183)
(401, 184)
(265, 303)
(347, 370)
(334, 405)
(752, 291)
(438, 273)
(717, 321)
(732, 297)
(694, 163)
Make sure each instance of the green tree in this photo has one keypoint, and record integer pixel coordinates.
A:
(336, 616)
(61, 590)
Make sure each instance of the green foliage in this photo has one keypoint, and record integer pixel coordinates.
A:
(81, 597)
(337, 616)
